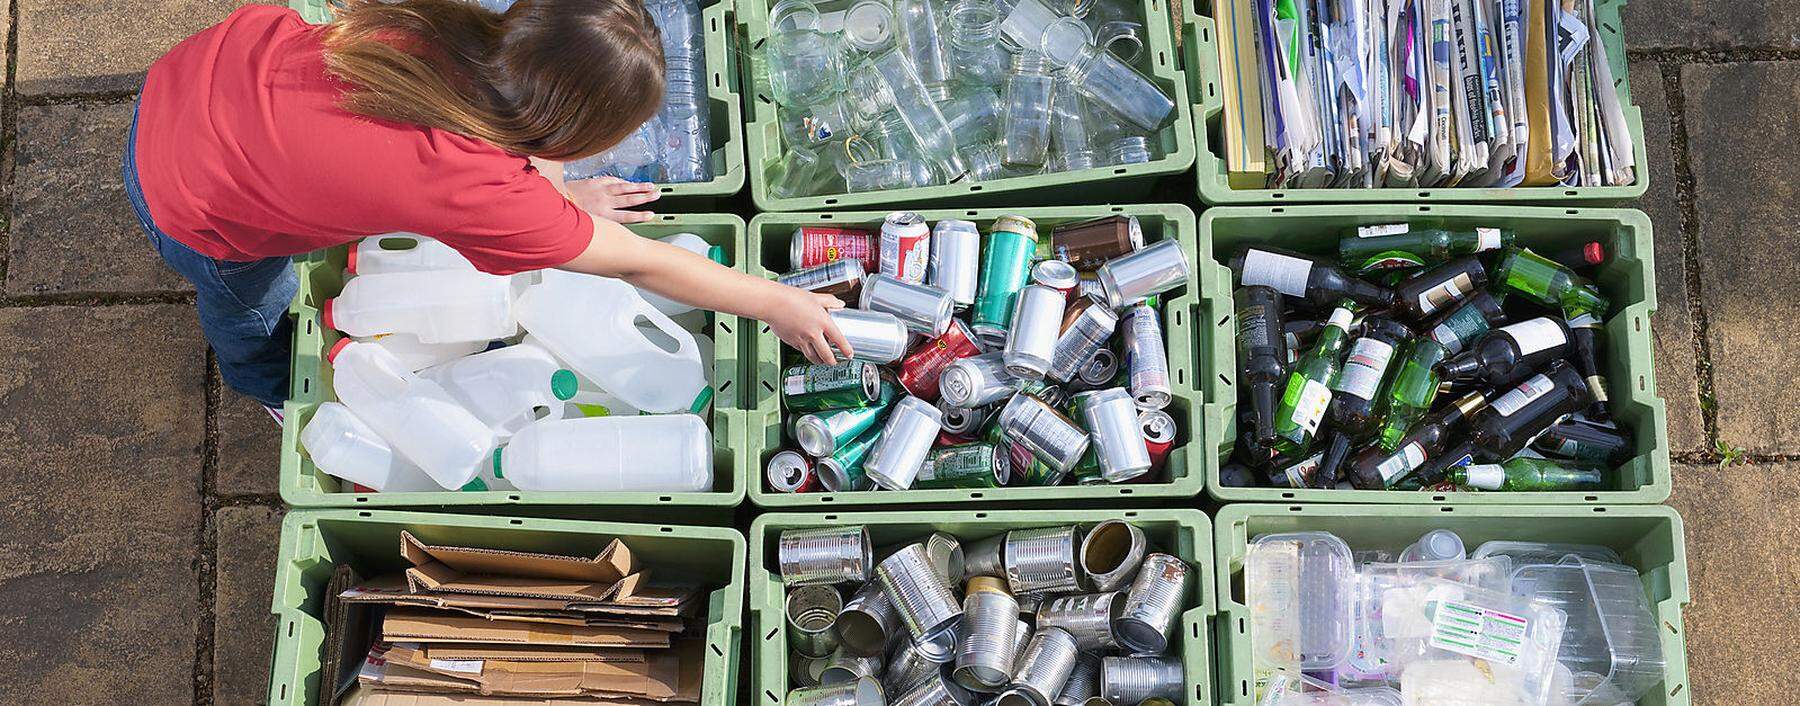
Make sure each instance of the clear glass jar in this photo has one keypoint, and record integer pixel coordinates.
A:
(1110, 83)
(805, 65)
(974, 115)
(920, 113)
(974, 28)
(806, 172)
(885, 174)
(1070, 135)
(1130, 149)
(1026, 131)
(869, 26)
(916, 24)
(983, 161)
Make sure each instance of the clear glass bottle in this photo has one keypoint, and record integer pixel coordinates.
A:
(1026, 131)
(885, 174)
(983, 161)
(805, 64)
(1069, 132)
(920, 112)
(974, 115)
(916, 24)
(869, 26)
(974, 28)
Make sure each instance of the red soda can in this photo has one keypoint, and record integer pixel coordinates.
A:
(905, 247)
(1057, 275)
(816, 245)
(792, 472)
(948, 439)
(1159, 435)
(919, 370)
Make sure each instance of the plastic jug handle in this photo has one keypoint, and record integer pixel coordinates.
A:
(684, 340)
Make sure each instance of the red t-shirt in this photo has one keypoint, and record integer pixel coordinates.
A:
(244, 153)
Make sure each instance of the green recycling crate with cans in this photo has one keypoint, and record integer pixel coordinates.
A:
(1065, 378)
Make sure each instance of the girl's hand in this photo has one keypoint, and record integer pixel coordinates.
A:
(800, 319)
(608, 197)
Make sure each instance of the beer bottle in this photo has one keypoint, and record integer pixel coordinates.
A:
(1262, 353)
(1374, 469)
(1527, 474)
(1236, 475)
(1547, 282)
(1502, 429)
(1510, 351)
(1584, 443)
(1438, 288)
(1305, 278)
(1415, 384)
(1588, 334)
(1308, 392)
(1302, 473)
(1399, 246)
(1354, 402)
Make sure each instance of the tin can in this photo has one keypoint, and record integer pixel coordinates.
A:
(1087, 470)
(1031, 341)
(1152, 604)
(1005, 269)
(1100, 369)
(1135, 680)
(905, 247)
(841, 279)
(1148, 360)
(1155, 269)
(816, 388)
(874, 336)
(984, 660)
(925, 310)
(843, 469)
(1046, 665)
(923, 599)
(1049, 435)
(816, 245)
(1086, 327)
(1087, 617)
(824, 555)
(1089, 244)
(812, 619)
(1090, 286)
(1111, 554)
(867, 622)
(977, 381)
(791, 472)
(946, 556)
(935, 690)
(920, 369)
(865, 691)
(1083, 684)
(844, 667)
(1057, 275)
(821, 433)
(956, 260)
(982, 557)
(803, 670)
(1041, 560)
(1118, 439)
(906, 666)
(963, 423)
(1159, 435)
(906, 439)
(976, 465)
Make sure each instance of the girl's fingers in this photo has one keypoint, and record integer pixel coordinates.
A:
(837, 339)
(628, 217)
(620, 187)
(830, 302)
(629, 199)
(825, 355)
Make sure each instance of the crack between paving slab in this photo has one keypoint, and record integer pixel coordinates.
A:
(1690, 254)
(263, 500)
(1713, 458)
(92, 299)
(208, 541)
(1713, 55)
(116, 97)
(9, 135)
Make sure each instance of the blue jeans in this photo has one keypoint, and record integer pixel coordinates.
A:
(242, 305)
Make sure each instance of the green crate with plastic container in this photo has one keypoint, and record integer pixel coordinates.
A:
(322, 275)
(1185, 534)
(1627, 279)
(1172, 144)
(1647, 539)
(725, 117)
(314, 542)
(1201, 45)
(771, 236)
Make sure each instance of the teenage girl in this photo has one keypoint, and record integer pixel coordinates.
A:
(264, 137)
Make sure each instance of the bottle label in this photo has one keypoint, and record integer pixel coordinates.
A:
(1401, 462)
(1597, 388)
(1309, 409)
(1390, 260)
(1459, 328)
(1538, 334)
(1484, 476)
(1253, 325)
(1364, 368)
(1285, 274)
(1527, 392)
(1300, 474)
(1341, 318)
(1487, 239)
(1377, 231)
(1478, 632)
(1442, 295)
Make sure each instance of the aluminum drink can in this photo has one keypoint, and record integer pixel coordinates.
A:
(1036, 321)
(1100, 369)
(905, 247)
(865, 691)
(1159, 435)
(921, 369)
(811, 619)
(956, 260)
(1041, 560)
(816, 388)
(1118, 440)
(1087, 617)
(878, 337)
(1051, 393)
(792, 472)
(1148, 360)
(824, 555)
(984, 659)
(964, 422)
(976, 465)
(1048, 661)
(1155, 269)
(977, 381)
(1111, 553)
(1090, 286)
(1086, 327)
(925, 310)
(1049, 435)
(906, 439)
(1152, 604)
(816, 245)
(1089, 244)
(821, 433)
(843, 469)
(1057, 275)
(1005, 269)
(841, 279)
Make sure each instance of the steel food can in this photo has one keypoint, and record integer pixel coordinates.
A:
(841, 279)
(1152, 604)
(1083, 684)
(1041, 560)
(824, 555)
(874, 336)
(1148, 360)
(977, 381)
(1159, 435)
(1118, 439)
(821, 433)
(925, 310)
(843, 469)
(956, 260)
(924, 600)
(844, 667)
(867, 622)
(1135, 680)
(963, 422)
(1086, 327)
(1005, 269)
(865, 691)
(1100, 369)
(906, 439)
(1049, 435)
(1155, 269)
(907, 666)
(1057, 275)
(983, 557)
(816, 245)
(1089, 244)
(921, 369)
(984, 661)
(816, 388)
(1111, 553)
(791, 472)
(973, 465)
(812, 618)
(935, 690)
(1036, 321)
(946, 556)
(1087, 617)
(1046, 665)
(803, 670)
(905, 246)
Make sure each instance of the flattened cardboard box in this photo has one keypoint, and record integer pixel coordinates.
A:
(668, 675)
(532, 653)
(499, 572)
(414, 625)
(392, 589)
(371, 697)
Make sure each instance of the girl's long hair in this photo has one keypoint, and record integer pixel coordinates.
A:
(557, 79)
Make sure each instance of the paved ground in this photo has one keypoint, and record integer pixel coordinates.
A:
(137, 530)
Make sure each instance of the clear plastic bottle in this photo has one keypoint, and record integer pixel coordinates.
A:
(403, 252)
(640, 157)
(507, 388)
(916, 25)
(603, 330)
(974, 29)
(805, 64)
(1026, 132)
(973, 112)
(686, 116)
(346, 448)
(438, 307)
(1070, 132)
(417, 417)
(655, 453)
(919, 110)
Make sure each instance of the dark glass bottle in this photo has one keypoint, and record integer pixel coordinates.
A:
(1457, 328)
(1305, 278)
(1262, 354)
(1374, 469)
(1588, 335)
(1361, 386)
(1584, 443)
(1302, 473)
(1508, 351)
(1513, 419)
(1439, 288)
(1237, 475)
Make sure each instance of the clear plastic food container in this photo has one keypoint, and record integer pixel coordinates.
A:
(1301, 590)
(1611, 644)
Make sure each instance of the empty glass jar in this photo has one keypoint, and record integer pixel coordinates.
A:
(805, 64)
(1026, 132)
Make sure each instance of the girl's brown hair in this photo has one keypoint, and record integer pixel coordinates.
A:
(557, 79)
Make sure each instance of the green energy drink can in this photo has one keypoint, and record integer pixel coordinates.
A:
(1005, 269)
(843, 469)
(976, 465)
(821, 433)
(816, 388)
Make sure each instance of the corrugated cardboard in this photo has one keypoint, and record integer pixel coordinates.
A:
(632, 600)
(415, 625)
(612, 563)
(668, 675)
(532, 653)
(372, 697)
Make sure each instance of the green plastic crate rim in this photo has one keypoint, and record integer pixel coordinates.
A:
(1649, 538)
(770, 234)
(1186, 534)
(1628, 280)
(1121, 182)
(303, 485)
(727, 119)
(1202, 54)
(314, 541)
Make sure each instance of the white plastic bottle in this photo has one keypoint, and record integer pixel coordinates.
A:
(657, 453)
(345, 447)
(418, 355)
(417, 417)
(507, 388)
(403, 252)
(691, 243)
(604, 331)
(438, 307)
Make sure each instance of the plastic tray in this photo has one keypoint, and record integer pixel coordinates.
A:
(1184, 533)
(312, 542)
(1200, 44)
(303, 485)
(1087, 186)
(1648, 538)
(727, 122)
(770, 234)
(1628, 279)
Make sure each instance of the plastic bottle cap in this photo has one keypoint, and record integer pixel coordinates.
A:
(350, 264)
(1594, 253)
(325, 313)
(497, 472)
(331, 355)
(716, 253)
(564, 384)
(474, 485)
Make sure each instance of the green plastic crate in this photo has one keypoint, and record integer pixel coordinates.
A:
(770, 234)
(1160, 62)
(1185, 534)
(314, 541)
(1200, 45)
(1628, 280)
(727, 119)
(303, 485)
(1648, 538)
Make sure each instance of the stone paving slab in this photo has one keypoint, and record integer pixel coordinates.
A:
(249, 448)
(1709, 24)
(86, 46)
(1743, 143)
(243, 627)
(99, 522)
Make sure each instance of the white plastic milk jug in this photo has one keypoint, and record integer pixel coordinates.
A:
(345, 447)
(507, 388)
(403, 252)
(438, 307)
(603, 330)
(656, 453)
(686, 241)
(417, 417)
(417, 355)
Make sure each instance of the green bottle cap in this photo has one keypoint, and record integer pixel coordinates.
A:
(716, 253)
(497, 472)
(475, 485)
(563, 384)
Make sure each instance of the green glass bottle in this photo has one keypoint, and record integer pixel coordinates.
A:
(1308, 391)
(1372, 248)
(1547, 282)
(1524, 473)
(1413, 390)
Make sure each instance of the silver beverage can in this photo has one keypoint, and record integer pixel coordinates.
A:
(838, 277)
(956, 260)
(926, 604)
(1111, 553)
(906, 439)
(977, 381)
(1090, 286)
(1118, 439)
(905, 246)
(1152, 604)
(867, 622)
(935, 690)
(984, 658)
(946, 556)
(925, 310)
(982, 557)
(1158, 426)
(1155, 269)
(804, 671)
(875, 336)
(1148, 359)
(1086, 328)
(1049, 435)
(812, 619)
(1036, 321)
(1134, 680)
(824, 555)
(1057, 275)
(866, 691)
(1042, 560)
(845, 667)
(792, 472)
(1100, 368)
(1087, 617)
(1045, 667)
(963, 421)
(1083, 684)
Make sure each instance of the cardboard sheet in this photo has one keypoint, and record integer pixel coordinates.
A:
(413, 625)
